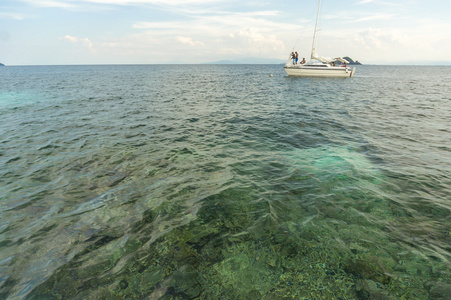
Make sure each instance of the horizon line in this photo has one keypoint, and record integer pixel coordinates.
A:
(208, 63)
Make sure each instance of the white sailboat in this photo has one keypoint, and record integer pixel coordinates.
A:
(325, 67)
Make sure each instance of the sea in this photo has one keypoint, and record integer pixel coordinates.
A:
(224, 182)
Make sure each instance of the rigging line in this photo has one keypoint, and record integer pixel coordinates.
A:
(312, 14)
(316, 25)
(319, 27)
(305, 28)
(301, 36)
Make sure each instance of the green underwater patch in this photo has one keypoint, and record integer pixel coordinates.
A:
(320, 230)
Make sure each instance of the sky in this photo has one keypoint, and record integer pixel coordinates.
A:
(60, 32)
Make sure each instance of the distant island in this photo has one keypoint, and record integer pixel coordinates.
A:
(2, 65)
(351, 61)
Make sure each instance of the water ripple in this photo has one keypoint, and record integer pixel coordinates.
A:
(154, 182)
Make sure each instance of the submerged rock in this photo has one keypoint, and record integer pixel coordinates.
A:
(440, 291)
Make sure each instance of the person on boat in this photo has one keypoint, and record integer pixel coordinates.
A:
(293, 57)
(297, 58)
(303, 61)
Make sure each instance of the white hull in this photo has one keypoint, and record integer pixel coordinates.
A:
(323, 70)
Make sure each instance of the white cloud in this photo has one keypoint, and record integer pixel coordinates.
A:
(364, 2)
(85, 42)
(157, 25)
(188, 41)
(395, 45)
(196, 31)
(71, 4)
(165, 2)
(218, 21)
(379, 3)
(14, 16)
(52, 3)
(227, 34)
(200, 38)
(373, 17)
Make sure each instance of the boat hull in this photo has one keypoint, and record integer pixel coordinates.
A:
(314, 71)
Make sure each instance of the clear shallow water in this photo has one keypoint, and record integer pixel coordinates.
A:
(218, 181)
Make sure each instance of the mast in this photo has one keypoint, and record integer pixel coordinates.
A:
(316, 25)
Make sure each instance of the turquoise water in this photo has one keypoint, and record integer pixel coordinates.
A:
(221, 182)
